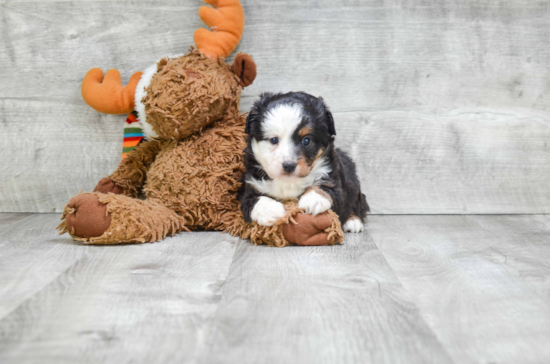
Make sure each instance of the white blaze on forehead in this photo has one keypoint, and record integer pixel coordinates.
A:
(282, 121)
(279, 122)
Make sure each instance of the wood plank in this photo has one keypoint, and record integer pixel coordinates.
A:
(524, 248)
(452, 163)
(468, 282)
(339, 304)
(457, 93)
(122, 304)
(32, 255)
(53, 152)
(409, 289)
(360, 55)
(401, 55)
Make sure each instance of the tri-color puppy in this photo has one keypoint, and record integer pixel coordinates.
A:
(291, 154)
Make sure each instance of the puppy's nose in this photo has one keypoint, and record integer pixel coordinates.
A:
(289, 167)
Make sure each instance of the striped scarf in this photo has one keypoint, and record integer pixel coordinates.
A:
(133, 134)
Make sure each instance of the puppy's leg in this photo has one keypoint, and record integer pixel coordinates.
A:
(266, 211)
(261, 209)
(315, 201)
(353, 225)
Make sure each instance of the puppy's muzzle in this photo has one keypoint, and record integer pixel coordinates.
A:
(289, 167)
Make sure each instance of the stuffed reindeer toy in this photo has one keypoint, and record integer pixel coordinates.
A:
(190, 164)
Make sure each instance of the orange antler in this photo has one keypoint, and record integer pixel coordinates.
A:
(226, 22)
(108, 95)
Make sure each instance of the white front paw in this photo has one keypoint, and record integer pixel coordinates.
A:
(353, 225)
(266, 211)
(313, 203)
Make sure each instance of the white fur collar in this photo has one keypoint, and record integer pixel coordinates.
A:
(281, 190)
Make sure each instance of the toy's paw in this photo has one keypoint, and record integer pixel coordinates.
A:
(86, 217)
(107, 185)
(313, 203)
(267, 211)
(353, 225)
(309, 230)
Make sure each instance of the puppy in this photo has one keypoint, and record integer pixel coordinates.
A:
(291, 154)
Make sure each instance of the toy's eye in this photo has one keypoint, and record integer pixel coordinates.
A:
(306, 141)
(274, 140)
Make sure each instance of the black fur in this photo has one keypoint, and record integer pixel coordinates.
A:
(342, 184)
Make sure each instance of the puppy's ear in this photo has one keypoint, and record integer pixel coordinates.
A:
(330, 123)
(329, 120)
(255, 114)
(252, 118)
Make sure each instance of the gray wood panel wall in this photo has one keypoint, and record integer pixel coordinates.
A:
(443, 104)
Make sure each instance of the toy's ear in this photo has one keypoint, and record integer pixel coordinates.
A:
(245, 68)
(329, 119)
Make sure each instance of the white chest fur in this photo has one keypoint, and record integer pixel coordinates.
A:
(281, 189)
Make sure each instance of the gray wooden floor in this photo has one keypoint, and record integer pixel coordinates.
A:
(411, 289)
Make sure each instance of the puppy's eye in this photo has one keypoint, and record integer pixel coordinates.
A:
(274, 140)
(306, 141)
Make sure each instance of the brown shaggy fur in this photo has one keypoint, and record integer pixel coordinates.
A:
(132, 173)
(132, 221)
(190, 175)
(179, 104)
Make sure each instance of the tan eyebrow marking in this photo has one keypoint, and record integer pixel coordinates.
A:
(304, 131)
(307, 165)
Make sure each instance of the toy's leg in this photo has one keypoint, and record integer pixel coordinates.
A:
(321, 229)
(97, 218)
(296, 228)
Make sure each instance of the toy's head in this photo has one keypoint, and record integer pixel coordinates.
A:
(179, 96)
(189, 92)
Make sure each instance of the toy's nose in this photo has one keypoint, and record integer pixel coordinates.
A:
(289, 167)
